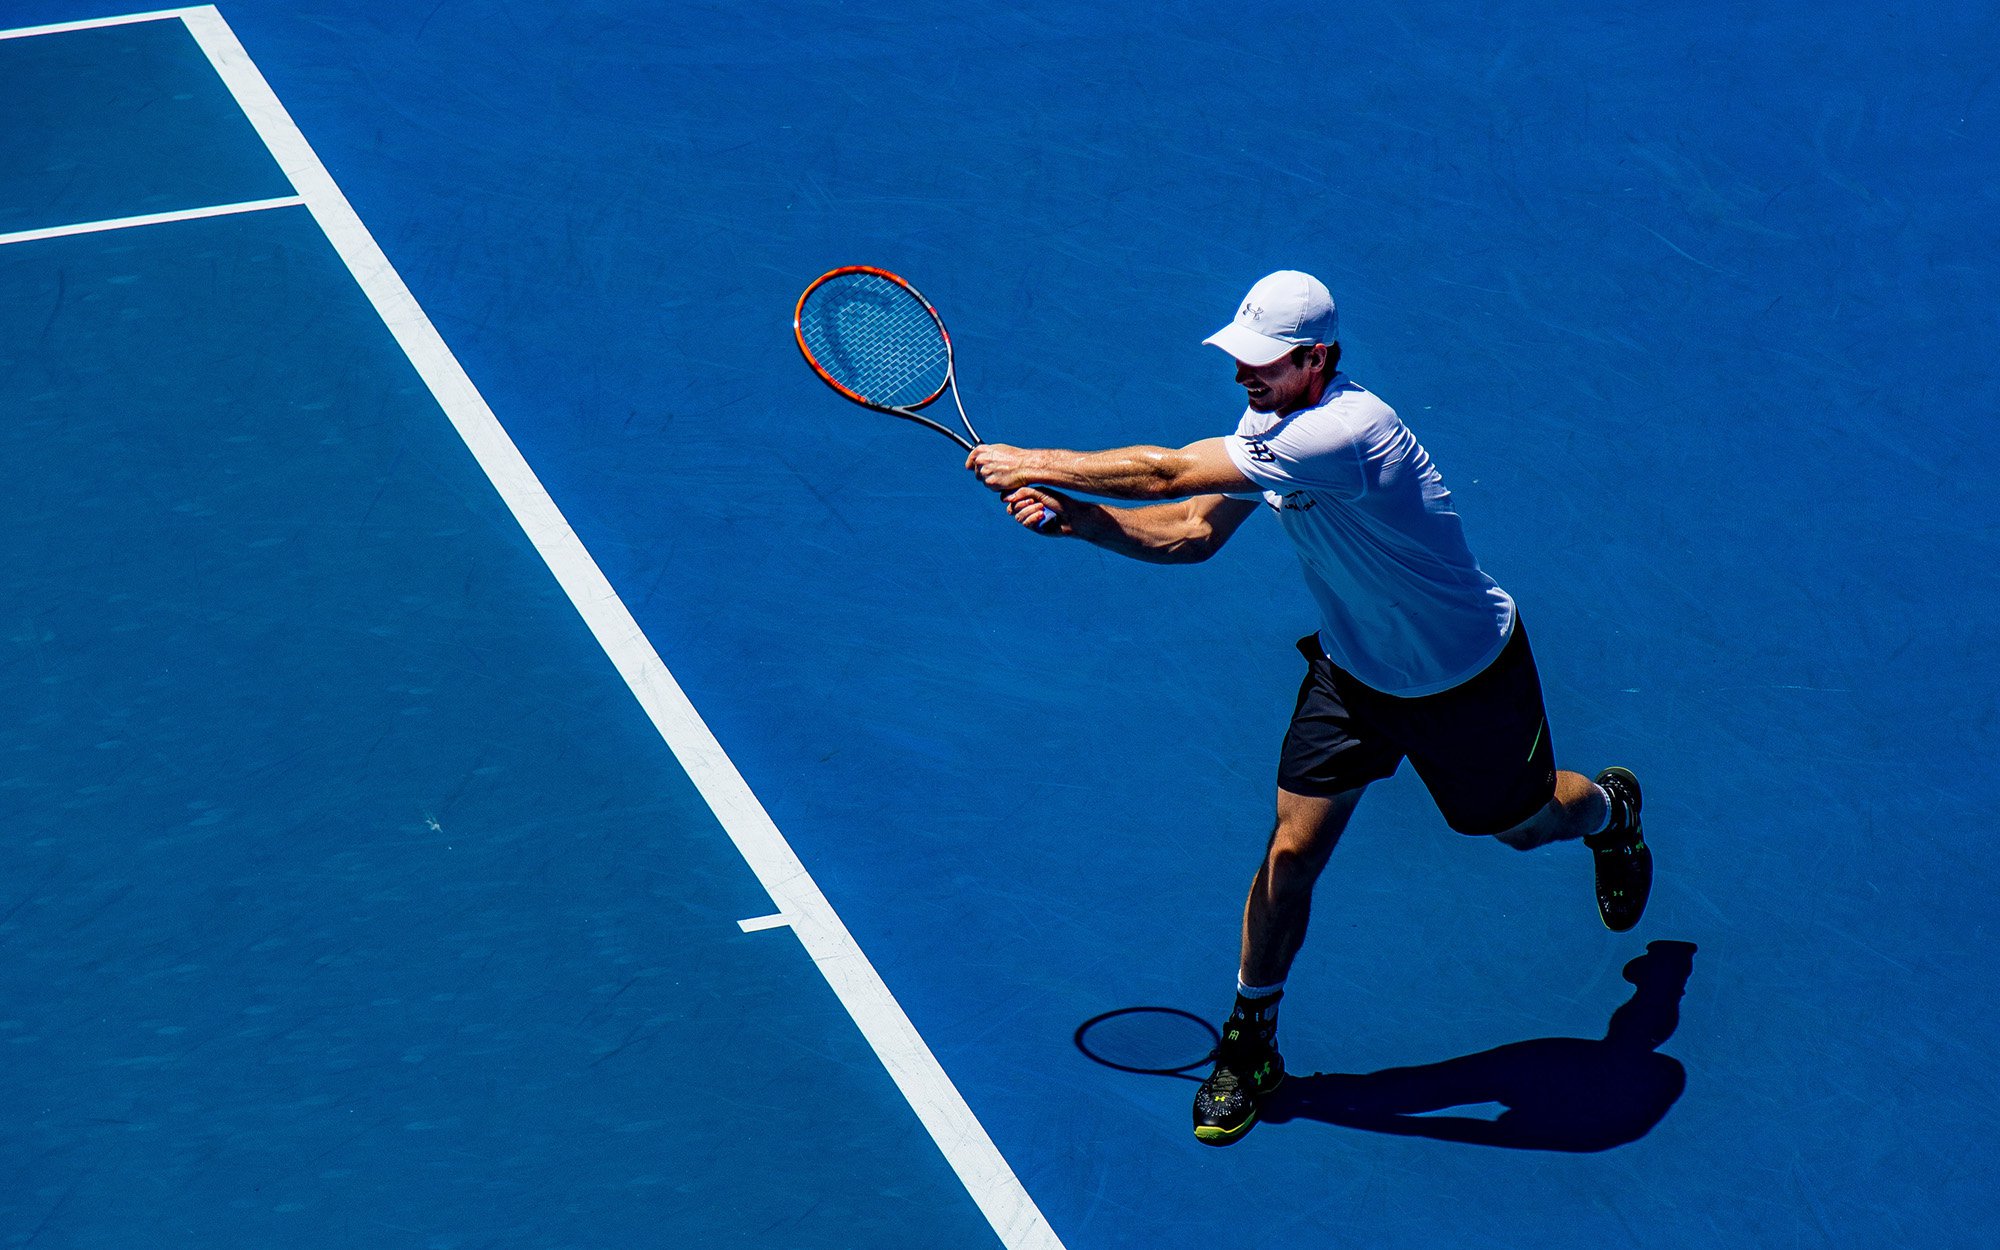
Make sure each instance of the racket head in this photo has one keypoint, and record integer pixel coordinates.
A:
(1153, 1041)
(874, 338)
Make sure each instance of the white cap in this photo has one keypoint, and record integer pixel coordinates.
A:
(1285, 310)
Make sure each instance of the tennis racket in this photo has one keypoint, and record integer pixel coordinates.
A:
(869, 335)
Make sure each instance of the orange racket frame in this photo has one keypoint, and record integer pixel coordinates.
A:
(906, 411)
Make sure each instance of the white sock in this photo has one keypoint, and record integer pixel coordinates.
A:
(1255, 992)
(1609, 808)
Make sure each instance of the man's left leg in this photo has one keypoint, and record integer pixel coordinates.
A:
(1484, 750)
(1605, 814)
(1578, 808)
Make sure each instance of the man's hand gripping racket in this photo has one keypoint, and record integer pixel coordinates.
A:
(870, 336)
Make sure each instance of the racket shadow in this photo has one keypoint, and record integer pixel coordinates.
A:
(1149, 1041)
(1559, 1093)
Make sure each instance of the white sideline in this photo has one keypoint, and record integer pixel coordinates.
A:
(942, 1109)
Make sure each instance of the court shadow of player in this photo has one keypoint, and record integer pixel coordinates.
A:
(1560, 1093)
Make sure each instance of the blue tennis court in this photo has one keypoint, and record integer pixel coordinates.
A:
(499, 755)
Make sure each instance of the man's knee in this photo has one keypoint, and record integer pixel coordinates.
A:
(1534, 832)
(1298, 850)
(1307, 829)
(1288, 861)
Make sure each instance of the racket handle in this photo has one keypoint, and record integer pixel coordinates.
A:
(1048, 515)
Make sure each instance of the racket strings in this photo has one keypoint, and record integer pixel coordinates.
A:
(876, 339)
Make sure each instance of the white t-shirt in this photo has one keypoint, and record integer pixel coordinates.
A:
(1403, 604)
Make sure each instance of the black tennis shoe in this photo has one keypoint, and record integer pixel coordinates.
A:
(1624, 864)
(1247, 1070)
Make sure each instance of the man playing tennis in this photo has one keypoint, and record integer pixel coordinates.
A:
(1419, 654)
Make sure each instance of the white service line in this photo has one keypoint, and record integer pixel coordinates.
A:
(150, 219)
(942, 1109)
(757, 924)
(94, 23)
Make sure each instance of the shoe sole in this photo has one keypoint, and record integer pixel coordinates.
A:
(1625, 777)
(1209, 1134)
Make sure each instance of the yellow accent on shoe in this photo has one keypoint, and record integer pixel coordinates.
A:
(1211, 1133)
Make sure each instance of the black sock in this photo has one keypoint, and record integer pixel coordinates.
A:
(1254, 1021)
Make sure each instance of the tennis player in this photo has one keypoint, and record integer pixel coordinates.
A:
(1419, 654)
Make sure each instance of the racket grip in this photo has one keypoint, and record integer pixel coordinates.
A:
(1048, 514)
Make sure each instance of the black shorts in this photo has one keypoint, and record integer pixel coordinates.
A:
(1481, 747)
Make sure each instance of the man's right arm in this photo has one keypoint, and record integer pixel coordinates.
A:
(1186, 531)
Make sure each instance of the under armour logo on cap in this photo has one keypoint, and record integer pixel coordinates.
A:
(1284, 310)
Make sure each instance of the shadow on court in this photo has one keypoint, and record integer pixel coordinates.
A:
(1560, 1093)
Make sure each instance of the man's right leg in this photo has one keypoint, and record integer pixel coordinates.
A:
(1247, 1064)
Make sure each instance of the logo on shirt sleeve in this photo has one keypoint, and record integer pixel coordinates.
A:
(1259, 450)
(1299, 501)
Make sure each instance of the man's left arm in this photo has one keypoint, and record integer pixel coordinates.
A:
(1202, 468)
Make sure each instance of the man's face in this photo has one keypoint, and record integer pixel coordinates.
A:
(1285, 385)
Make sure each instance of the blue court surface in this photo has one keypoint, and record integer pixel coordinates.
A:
(496, 754)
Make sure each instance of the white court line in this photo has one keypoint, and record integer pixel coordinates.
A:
(757, 924)
(939, 1106)
(150, 219)
(93, 23)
